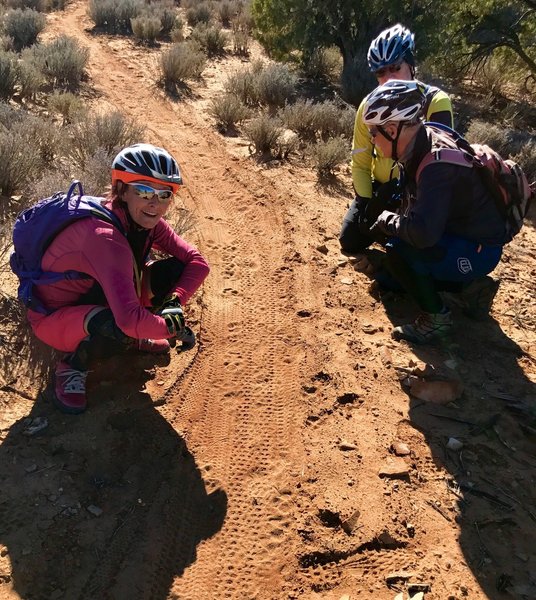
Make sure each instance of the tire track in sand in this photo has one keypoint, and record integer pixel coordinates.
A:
(236, 404)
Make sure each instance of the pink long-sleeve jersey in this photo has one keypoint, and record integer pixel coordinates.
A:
(100, 250)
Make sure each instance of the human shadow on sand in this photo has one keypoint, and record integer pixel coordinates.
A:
(491, 478)
(109, 504)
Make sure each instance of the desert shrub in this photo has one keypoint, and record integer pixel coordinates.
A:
(287, 142)
(114, 16)
(69, 106)
(526, 157)
(331, 120)
(177, 33)
(48, 184)
(181, 62)
(109, 131)
(30, 79)
(8, 74)
(38, 5)
(263, 132)
(199, 13)
(329, 154)
(275, 84)
(226, 10)
(23, 26)
(211, 39)
(228, 112)
(240, 42)
(323, 64)
(6, 43)
(62, 61)
(243, 85)
(166, 11)
(26, 148)
(301, 118)
(146, 28)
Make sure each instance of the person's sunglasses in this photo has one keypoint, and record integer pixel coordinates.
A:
(147, 192)
(388, 69)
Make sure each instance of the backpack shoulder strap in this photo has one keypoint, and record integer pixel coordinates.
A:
(448, 146)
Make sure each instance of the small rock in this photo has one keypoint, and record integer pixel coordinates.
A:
(454, 444)
(347, 446)
(398, 576)
(370, 329)
(386, 356)
(160, 382)
(423, 369)
(437, 392)
(451, 364)
(94, 510)
(400, 449)
(341, 262)
(417, 596)
(31, 469)
(394, 467)
(323, 249)
(35, 426)
(347, 281)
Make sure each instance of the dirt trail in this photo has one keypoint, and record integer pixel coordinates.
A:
(249, 469)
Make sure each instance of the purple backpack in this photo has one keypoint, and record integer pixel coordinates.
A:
(37, 226)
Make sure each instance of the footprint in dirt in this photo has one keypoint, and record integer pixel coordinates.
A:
(108, 504)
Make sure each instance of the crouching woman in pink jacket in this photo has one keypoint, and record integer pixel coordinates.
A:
(127, 302)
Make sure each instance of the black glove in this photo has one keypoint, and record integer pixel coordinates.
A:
(384, 225)
(172, 313)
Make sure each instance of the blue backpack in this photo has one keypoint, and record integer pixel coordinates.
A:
(37, 226)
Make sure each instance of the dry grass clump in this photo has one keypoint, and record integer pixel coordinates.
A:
(114, 16)
(199, 13)
(146, 28)
(211, 39)
(62, 61)
(228, 111)
(328, 155)
(183, 61)
(263, 132)
(23, 26)
(69, 106)
(8, 74)
(323, 64)
(261, 85)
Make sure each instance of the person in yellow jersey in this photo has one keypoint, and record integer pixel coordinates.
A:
(374, 176)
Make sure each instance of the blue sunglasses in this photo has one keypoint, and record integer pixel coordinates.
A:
(147, 192)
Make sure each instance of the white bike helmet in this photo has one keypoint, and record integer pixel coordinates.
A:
(391, 46)
(397, 101)
(147, 162)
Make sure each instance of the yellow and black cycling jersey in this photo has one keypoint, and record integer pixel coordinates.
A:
(368, 164)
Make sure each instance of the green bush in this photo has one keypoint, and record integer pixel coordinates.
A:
(23, 26)
(146, 28)
(109, 131)
(69, 106)
(114, 16)
(211, 39)
(62, 61)
(183, 61)
(228, 112)
(263, 132)
(328, 155)
(199, 13)
(8, 74)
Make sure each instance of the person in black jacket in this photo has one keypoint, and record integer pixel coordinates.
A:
(450, 229)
